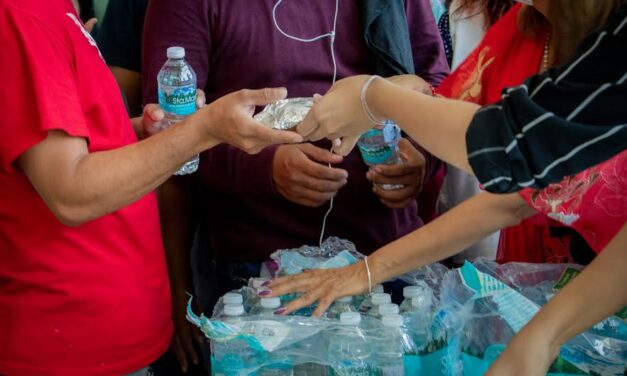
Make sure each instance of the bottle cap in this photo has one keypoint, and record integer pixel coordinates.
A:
(270, 303)
(258, 282)
(350, 318)
(378, 289)
(346, 299)
(412, 291)
(388, 309)
(234, 310)
(176, 52)
(392, 321)
(233, 298)
(381, 298)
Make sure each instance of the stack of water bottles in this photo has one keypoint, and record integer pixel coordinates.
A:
(361, 335)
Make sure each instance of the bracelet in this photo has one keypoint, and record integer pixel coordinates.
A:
(369, 275)
(364, 105)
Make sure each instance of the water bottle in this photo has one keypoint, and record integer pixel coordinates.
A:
(349, 350)
(379, 146)
(177, 95)
(387, 310)
(421, 290)
(364, 302)
(340, 306)
(230, 357)
(395, 343)
(378, 299)
(268, 306)
(310, 357)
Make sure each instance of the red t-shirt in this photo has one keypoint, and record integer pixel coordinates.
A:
(89, 300)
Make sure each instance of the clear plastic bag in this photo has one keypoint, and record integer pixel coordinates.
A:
(493, 302)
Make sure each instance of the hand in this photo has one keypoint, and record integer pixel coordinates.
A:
(150, 122)
(322, 285)
(412, 82)
(229, 120)
(528, 354)
(338, 114)
(410, 174)
(90, 24)
(300, 174)
(187, 338)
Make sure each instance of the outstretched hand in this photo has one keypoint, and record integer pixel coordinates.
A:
(322, 286)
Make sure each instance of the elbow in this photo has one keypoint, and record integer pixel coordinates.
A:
(70, 215)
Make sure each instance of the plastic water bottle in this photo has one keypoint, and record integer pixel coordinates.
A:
(421, 290)
(379, 146)
(340, 306)
(349, 350)
(378, 299)
(230, 357)
(177, 95)
(387, 310)
(395, 343)
(364, 302)
(268, 306)
(311, 357)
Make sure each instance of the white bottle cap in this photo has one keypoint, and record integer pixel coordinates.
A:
(350, 318)
(233, 298)
(412, 291)
(388, 309)
(270, 303)
(381, 298)
(392, 321)
(176, 53)
(234, 310)
(258, 282)
(378, 289)
(346, 299)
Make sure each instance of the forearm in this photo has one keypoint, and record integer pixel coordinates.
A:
(95, 184)
(598, 292)
(439, 125)
(447, 235)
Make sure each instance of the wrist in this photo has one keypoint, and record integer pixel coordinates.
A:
(202, 124)
(373, 98)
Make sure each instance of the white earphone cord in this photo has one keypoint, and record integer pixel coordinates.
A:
(331, 36)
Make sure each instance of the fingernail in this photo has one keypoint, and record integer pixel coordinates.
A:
(280, 311)
(265, 293)
(266, 283)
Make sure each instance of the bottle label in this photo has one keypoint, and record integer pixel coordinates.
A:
(376, 155)
(178, 100)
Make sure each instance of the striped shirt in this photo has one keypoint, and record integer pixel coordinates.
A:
(558, 123)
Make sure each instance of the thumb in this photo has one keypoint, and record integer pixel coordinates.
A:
(265, 96)
(321, 155)
(346, 146)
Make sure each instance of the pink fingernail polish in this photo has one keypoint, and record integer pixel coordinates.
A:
(266, 284)
(265, 293)
(280, 311)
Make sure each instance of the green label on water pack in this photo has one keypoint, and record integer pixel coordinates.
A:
(178, 100)
(568, 275)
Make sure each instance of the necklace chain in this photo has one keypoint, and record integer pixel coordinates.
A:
(545, 53)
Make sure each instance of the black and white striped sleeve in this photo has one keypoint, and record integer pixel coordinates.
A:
(558, 123)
